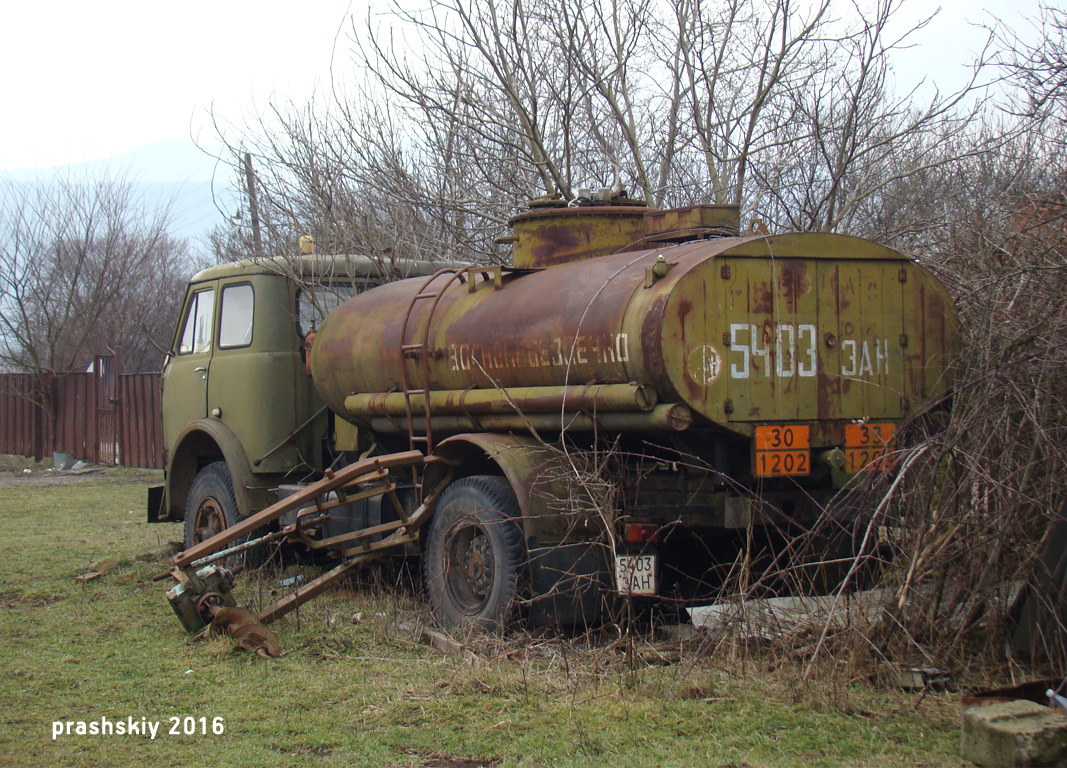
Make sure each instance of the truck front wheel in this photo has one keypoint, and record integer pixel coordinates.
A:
(474, 554)
(211, 506)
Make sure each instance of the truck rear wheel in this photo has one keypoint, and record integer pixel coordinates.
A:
(474, 554)
(211, 506)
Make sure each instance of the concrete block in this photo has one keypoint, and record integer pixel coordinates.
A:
(1014, 733)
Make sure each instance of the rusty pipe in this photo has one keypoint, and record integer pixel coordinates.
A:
(671, 417)
(609, 398)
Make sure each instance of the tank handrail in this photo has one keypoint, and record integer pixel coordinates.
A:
(420, 350)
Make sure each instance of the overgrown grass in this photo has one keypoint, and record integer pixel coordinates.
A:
(373, 693)
(10, 465)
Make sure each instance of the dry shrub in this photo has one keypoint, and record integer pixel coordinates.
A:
(977, 505)
(955, 527)
(926, 558)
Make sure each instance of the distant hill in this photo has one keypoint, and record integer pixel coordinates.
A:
(175, 171)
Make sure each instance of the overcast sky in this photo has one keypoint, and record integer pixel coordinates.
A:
(86, 80)
(89, 80)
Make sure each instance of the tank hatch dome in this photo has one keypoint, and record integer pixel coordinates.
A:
(547, 235)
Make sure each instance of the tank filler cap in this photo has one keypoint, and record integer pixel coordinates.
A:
(657, 270)
(603, 196)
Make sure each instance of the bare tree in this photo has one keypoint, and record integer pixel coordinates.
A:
(783, 109)
(1038, 70)
(85, 266)
(981, 485)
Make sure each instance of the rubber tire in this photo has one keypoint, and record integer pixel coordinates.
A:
(477, 519)
(212, 494)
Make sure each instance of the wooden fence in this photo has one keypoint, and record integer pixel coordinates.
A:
(102, 416)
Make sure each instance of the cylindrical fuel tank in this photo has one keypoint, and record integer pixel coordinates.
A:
(804, 327)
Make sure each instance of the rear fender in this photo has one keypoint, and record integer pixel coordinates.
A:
(555, 504)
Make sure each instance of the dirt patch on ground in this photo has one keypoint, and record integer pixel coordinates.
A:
(11, 599)
(442, 760)
(48, 476)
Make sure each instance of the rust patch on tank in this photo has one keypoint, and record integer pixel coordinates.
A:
(827, 391)
(685, 306)
(553, 239)
(762, 301)
(650, 334)
(843, 292)
(550, 237)
(792, 281)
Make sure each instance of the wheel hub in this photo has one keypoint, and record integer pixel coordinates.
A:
(209, 520)
(479, 566)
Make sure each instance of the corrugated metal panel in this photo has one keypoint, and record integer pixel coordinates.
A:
(141, 420)
(22, 420)
(101, 417)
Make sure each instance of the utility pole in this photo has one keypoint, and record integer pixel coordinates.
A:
(253, 206)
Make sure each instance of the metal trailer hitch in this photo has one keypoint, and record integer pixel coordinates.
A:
(203, 597)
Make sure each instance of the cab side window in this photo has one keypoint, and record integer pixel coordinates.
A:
(235, 319)
(196, 335)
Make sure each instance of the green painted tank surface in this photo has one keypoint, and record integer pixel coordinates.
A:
(816, 328)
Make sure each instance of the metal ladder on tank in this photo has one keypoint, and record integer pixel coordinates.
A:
(419, 349)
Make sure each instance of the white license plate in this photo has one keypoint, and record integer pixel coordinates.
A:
(636, 574)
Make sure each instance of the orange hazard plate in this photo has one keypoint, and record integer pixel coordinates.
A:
(782, 450)
(866, 445)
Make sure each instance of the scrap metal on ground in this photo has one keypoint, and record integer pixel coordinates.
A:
(203, 596)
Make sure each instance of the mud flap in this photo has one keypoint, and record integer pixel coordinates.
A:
(571, 584)
(156, 512)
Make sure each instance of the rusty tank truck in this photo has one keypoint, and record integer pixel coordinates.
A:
(458, 414)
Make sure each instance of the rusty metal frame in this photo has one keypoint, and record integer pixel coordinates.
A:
(361, 471)
(372, 470)
(355, 559)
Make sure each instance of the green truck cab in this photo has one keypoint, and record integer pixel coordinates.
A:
(240, 412)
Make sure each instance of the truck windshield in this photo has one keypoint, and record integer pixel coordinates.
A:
(314, 302)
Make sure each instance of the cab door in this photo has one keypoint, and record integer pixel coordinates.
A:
(254, 369)
(185, 374)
